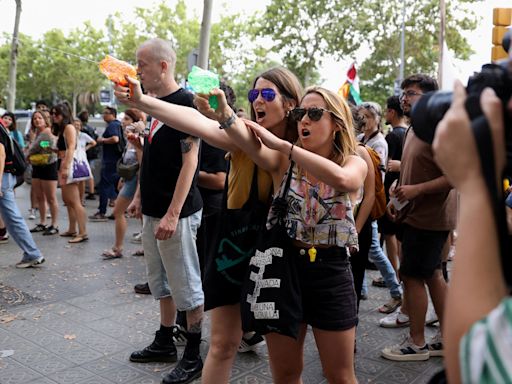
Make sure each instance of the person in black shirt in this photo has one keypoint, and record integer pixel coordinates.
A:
(9, 209)
(170, 202)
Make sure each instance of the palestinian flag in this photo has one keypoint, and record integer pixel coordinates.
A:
(350, 89)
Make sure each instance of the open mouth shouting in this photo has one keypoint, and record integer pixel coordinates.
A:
(260, 115)
(305, 132)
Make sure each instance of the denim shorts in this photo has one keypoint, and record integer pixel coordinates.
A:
(172, 264)
(128, 189)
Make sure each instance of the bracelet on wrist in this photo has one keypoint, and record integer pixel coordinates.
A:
(291, 150)
(226, 124)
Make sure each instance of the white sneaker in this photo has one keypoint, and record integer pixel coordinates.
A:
(399, 320)
(137, 239)
(406, 351)
(396, 319)
(32, 214)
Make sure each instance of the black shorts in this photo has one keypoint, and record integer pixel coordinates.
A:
(45, 172)
(327, 289)
(421, 251)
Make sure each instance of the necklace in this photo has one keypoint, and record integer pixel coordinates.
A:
(312, 250)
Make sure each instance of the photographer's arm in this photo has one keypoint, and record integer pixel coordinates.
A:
(477, 283)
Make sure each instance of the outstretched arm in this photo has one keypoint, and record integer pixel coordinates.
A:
(182, 118)
(477, 272)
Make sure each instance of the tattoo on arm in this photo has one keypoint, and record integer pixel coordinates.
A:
(186, 144)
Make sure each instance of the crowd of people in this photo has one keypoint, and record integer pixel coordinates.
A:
(206, 182)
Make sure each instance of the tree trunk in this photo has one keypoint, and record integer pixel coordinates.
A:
(11, 89)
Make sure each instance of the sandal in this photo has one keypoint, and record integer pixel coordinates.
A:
(38, 228)
(138, 252)
(112, 254)
(68, 234)
(51, 230)
(78, 239)
(391, 306)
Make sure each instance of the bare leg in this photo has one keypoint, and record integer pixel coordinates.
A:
(437, 288)
(226, 333)
(38, 194)
(417, 303)
(121, 204)
(167, 311)
(49, 188)
(286, 357)
(336, 350)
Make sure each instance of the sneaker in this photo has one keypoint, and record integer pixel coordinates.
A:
(158, 351)
(435, 346)
(179, 335)
(30, 263)
(48, 215)
(98, 217)
(4, 239)
(379, 283)
(50, 230)
(186, 371)
(406, 351)
(142, 289)
(250, 344)
(364, 296)
(399, 320)
(396, 319)
(32, 214)
(137, 239)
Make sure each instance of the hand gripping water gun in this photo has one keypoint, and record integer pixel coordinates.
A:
(116, 69)
(202, 81)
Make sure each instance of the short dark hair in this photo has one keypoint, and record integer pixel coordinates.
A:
(393, 102)
(83, 116)
(113, 111)
(41, 102)
(424, 82)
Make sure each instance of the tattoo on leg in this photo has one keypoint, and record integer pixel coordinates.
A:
(186, 146)
(195, 328)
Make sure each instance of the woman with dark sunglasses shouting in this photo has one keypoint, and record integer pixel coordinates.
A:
(326, 177)
(275, 93)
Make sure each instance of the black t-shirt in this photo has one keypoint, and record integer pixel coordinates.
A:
(111, 152)
(212, 161)
(161, 165)
(395, 140)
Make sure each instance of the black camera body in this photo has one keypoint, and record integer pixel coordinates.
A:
(430, 109)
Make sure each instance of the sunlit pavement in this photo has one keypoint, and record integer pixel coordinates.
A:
(76, 319)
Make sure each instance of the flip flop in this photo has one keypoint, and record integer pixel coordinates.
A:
(78, 239)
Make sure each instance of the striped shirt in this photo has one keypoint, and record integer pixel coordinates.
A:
(486, 350)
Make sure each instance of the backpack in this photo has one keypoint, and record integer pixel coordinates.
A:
(121, 144)
(18, 164)
(379, 206)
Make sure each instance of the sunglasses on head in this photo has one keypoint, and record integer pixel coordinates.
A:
(268, 94)
(314, 114)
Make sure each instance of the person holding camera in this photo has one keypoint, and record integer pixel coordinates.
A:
(427, 214)
(477, 331)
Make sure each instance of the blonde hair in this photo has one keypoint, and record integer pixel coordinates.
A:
(344, 139)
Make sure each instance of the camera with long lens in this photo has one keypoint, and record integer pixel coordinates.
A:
(430, 109)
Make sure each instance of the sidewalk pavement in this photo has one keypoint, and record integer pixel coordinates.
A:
(76, 320)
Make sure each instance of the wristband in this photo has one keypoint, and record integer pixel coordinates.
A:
(291, 150)
(226, 124)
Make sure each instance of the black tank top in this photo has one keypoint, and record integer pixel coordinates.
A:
(61, 144)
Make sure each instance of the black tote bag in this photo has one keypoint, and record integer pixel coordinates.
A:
(226, 262)
(271, 298)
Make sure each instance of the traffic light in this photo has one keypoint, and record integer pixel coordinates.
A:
(502, 19)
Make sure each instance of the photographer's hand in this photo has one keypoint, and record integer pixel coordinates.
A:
(477, 272)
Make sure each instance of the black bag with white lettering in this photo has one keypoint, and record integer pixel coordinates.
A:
(271, 299)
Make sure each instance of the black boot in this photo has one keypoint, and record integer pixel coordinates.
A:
(162, 349)
(190, 366)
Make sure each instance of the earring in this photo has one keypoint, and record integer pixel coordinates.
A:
(334, 135)
(287, 113)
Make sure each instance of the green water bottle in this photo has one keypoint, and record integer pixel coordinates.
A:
(202, 81)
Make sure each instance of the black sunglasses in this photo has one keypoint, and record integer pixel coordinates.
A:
(268, 94)
(314, 114)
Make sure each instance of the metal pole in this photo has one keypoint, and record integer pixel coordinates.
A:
(204, 42)
(402, 45)
(442, 26)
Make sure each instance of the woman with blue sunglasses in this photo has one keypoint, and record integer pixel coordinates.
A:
(275, 93)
